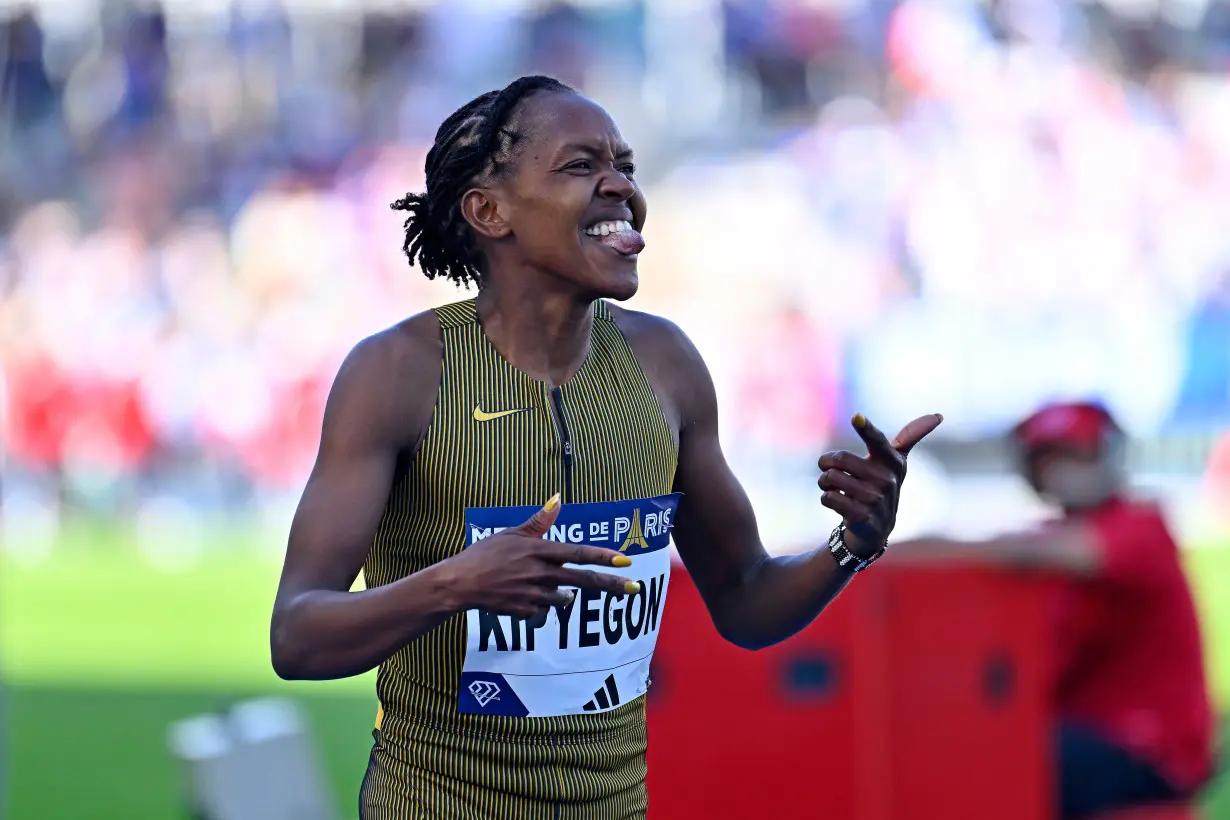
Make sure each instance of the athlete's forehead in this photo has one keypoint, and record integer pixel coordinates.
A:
(567, 124)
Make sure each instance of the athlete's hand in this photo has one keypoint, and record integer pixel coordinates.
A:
(865, 489)
(518, 572)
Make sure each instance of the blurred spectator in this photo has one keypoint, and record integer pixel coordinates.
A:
(196, 226)
(1206, 381)
(1135, 725)
(28, 92)
(788, 392)
(557, 44)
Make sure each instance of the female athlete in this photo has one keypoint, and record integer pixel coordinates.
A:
(513, 637)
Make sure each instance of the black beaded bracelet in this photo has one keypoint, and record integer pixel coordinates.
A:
(846, 559)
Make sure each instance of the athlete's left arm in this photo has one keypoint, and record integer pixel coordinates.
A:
(754, 600)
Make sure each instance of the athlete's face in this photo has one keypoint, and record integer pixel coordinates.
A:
(571, 205)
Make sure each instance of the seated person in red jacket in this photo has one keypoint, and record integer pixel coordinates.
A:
(1135, 724)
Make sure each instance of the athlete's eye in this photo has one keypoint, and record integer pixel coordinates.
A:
(581, 166)
(627, 169)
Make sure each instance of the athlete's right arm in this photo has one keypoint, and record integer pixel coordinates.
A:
(378, 410)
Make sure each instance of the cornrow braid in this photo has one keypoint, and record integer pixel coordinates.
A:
(473, 143)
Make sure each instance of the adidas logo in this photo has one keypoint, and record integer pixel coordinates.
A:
(606, 696)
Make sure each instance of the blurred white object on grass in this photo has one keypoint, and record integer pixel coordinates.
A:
(255, 763)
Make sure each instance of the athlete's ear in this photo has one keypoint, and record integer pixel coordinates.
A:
(483, 211)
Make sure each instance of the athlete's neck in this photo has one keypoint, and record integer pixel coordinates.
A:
(541, 332)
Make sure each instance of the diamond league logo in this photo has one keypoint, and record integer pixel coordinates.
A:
(484, 692)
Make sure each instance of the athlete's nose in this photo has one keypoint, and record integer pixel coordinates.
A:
(616, 187)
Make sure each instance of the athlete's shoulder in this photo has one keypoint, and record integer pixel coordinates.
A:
(388, 381)
(652, 331)
(402, 353)
(674, 366)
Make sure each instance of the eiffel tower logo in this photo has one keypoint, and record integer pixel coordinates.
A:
(635, 536)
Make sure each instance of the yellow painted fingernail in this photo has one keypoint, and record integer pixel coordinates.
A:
(552, 504)
(859, 421)
(632, 587)
(621, 561)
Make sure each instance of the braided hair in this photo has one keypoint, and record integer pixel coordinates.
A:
(473, 143)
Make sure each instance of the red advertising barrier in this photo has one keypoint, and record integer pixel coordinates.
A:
(970, 721)
(919, 694)
(739, 734)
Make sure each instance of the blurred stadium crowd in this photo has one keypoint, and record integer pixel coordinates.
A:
(904, 206)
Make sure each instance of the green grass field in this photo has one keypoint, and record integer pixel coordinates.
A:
(100, 652)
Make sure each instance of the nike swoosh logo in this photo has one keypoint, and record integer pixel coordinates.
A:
(481, 415)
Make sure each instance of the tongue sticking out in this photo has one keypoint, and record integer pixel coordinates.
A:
(624, 242)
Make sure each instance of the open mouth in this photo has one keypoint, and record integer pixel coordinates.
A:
(618, 236)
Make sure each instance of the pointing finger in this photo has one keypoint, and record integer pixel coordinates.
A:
(582, 554)
(877, 443)
(585, 578)
(915, 432)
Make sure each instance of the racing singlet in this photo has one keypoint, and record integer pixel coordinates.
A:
(489, 716)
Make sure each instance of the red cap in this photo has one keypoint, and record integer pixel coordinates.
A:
(1072, 424)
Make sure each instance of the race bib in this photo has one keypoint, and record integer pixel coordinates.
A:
(591, 655)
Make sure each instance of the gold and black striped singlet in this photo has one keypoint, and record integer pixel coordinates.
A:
(600, 437)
